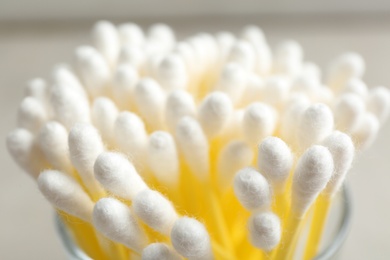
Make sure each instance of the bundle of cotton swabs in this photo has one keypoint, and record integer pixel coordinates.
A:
(212, 147)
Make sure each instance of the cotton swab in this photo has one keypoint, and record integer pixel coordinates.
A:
(69, 106)
(163, 159)
(124, 81)
(252, 189)
(348, 111)
(130, 136)
(118, 175)
(150, 99)
(366, 131)
(190, 239)
(234, 156)
(85, 144)
(53, 141)
(66, 194)
(155, 210)
(232, 81)
(131, 34)
(106, 40)
(172, 73)
(193, 144)
(214, 113)
(357, 86)
(159, 251)
(378, 102)
(179, 104)
(104, 113)
(23, 148)
(259, 121)
(116, 221)
(31, 114)
(265, 230)
(347, 66)
(37, 88)
(311, 175)
(93, 70)
(315, 124)
(342, 149)
(275, 161)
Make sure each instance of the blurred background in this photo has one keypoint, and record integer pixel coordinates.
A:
(37, 34)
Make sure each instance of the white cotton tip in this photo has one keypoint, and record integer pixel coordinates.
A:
(163, 158)
(131, 34)
(115, 220)
(291, 115)
(225, 41)
(65, 194)
(53, 141)
(172, 72)
(69, 106)
(288, 58)
(357, 86)
(162, 34)
(106, 40)
(118, 175)
(275, 161)
(190, 239)
(378, 102)
(150, 101)
(306, 84)
(342, 149)
(214, 113)
(366, 131)
(254, 89)
(233, 129)
(31, 114)
(243, 53)
(264, 59)
(232, 81)
(258, 122)
(159, 251)
(233, 157)
(37, 88)
(63, 75)
(123, 85)
(275, 91)
(347, 111)
(130, 135)
(132, 55)
(314, 125)
(312, 71)
(252, 189)
(155, 210)
(211, 49)
(346, 66)
(187, 53)
(312, 173)
(85, 144)
(179, 103)
(265, 230)
(194, 146)
(26, 153)
(253, 34)
(93, 70)
(104, 113)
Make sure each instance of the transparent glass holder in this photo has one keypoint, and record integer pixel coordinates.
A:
(331, 250)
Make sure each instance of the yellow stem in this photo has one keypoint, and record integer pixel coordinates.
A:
(321, 210)
(285, 249)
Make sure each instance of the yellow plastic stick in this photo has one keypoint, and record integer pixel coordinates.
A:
(321, 210)
(285, 249)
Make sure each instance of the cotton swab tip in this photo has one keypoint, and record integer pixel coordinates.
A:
(190, 239)
(115, 220)
(252, 189)
(265, 230)
(159, 251)
(155, 210)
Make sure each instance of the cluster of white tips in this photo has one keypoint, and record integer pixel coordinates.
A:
(207, 103)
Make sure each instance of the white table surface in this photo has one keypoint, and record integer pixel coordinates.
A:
(30, 50)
